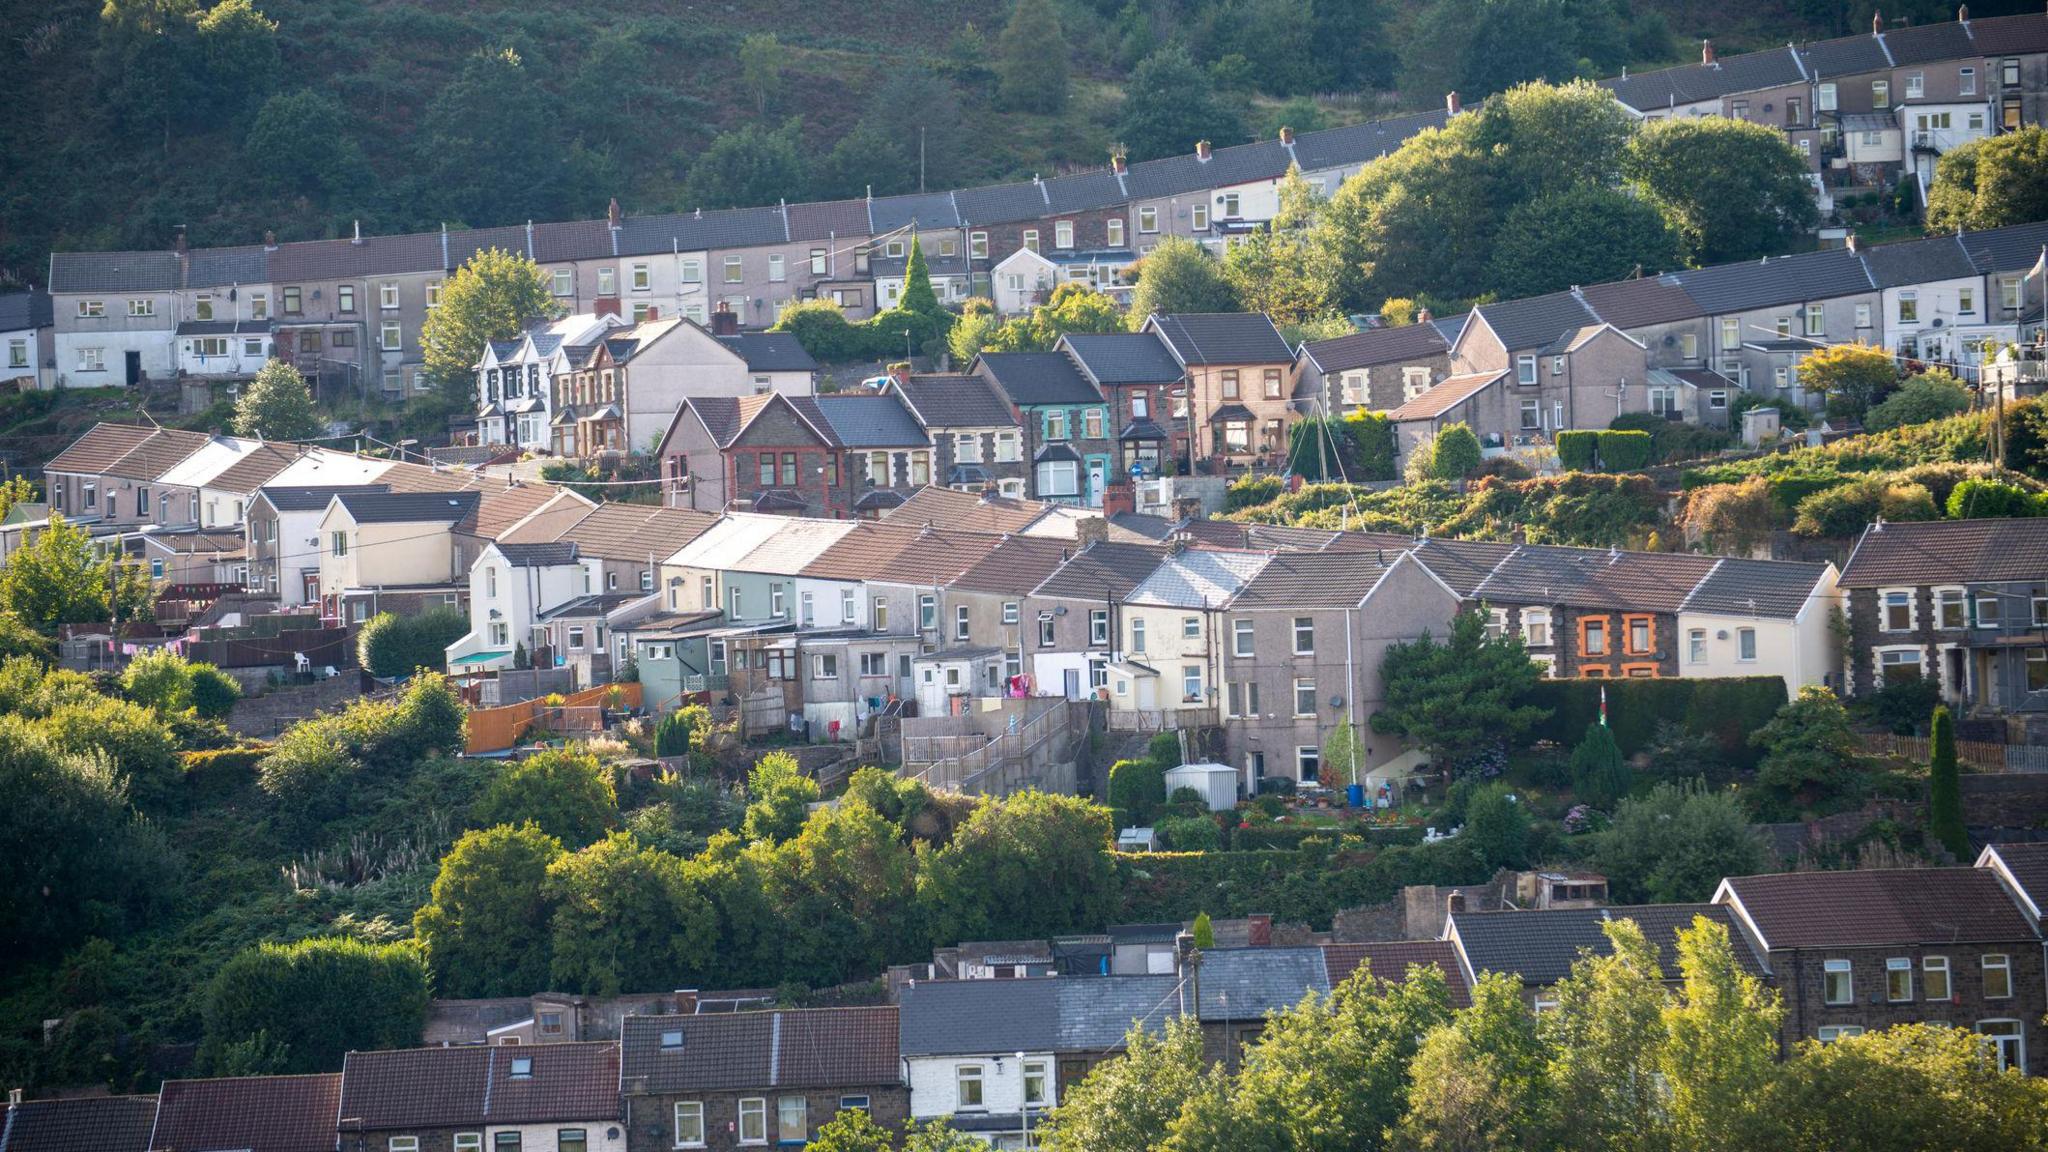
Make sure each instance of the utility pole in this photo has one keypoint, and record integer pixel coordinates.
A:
(920, 158)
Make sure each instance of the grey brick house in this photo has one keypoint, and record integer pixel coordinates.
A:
(977, 437)
(504, 1098)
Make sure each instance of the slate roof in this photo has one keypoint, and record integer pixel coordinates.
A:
(1463, 564)
(1691, 83)
(595, 604)
(631, 532)
(1540, 945)
(22, 310)
(1536, 321)
(224, 267)
(1198, 578)
(2010, 249)
(969, 511)
(1920, 43)
(1402, 345)
(549, 555)
(476, 1085)
(867, 420)
(1826, 59)
(1113, 358)
(390, 507)
(1002, 203)
(1247, 983)
(923, 210)
(728, 228)
(1919, 261)
(2007, 35)
(2028, 864)
(113, 271)
(218, 327)
(1356, 143)
(811, 1048)
(248, 1114)
(85, 1124)
(1311, 580)
(314, 499)
(1080, 191)
(337, 259)
(1595, 578)
(1222, 337)
(1014, 565)
(1770, 588)
(1948, 552)
(1876, 906)
(934, 558)
(1187, 172)
(1108, 569)
(955, 401)
(1096, 1014)
(1779, 280)
(98, 448)
(1032, 378)
(1390, 960)
(828, 220)
(959, 1017)
(1641, 302)
(770, 352)
(158, 453)
(1445, 395)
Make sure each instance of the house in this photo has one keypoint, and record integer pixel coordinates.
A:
(663, 362)
(888, 452)
(859, 616)
(1239, 386)
(228, 472)
(1065, 421)
(1377, 369)
(977, 440)
(348, 312)
(1764, 316)
(945, 264)
(392, 551)
(1958, 601)
(249, 1113)
(283, 545)
(78, 1124)
(775, 360)
(113, 315)
(985, 602)
(1170, 658)
(671, 652)
(2023, 869)
(514, 391)
(1299, 651)
(107, 475)
(1933, 304)
(1539, 946)
(28, 340)
(1071, 617)
(582, 637)
(561, 1096)
(511, 586)
(1477, 400)
(1763, 618)
(985, 512)
(620, 545)
(736, 1079)
(222, 349)
(1138, 375)
(1566, 368)
(195, 556)
(1875, 947)
(1582, 612)
(1057, 218)
(759, 453)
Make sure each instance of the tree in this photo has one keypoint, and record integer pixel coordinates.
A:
(760, 67)
(1899, 1089)
(1178, 275)
(912, 135)
(1934, 395)
(782, 796)
(1945, 787)
(391, 647)
(1454, 452)
(484, 928)
(625, 917)
(845, 889)
(1605, 1038)
(62, 577)
(1479, 1081)
(277, 405)
(1478, 47)
(1169, 105)
(1984, 499)
(161, 680)
(1599, 775)
(1853, 376)
(489, 146)
(1343, 751)
(1992, 182)
(1279, 270)
(1721, 1044)
(1497, 828)
(1031, 59)
(300, 143)
(1204, 931)
(1128, 1104)
(1032, 864)
(917, 283)
(495, 295)
(1809, 753)
(214, 692)
(747, 168)
(1585, 235)
(568, 795)
(851, 1130)
(135, 740)
(1732, 519)
(320, 998)
(1730, 189)
(1136, 790)
(238, 55)
(1676, 843)
(1461, 697)
(17, 639)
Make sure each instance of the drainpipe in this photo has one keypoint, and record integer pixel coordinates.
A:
(1351, 695)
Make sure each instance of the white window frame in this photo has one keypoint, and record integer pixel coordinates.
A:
(753, 1108)
(1897, 968)
(1884, 610)
(1929, 966)
(1745, 646)
(1996, 962)
(694, 1109)
(1304, 689)
(963, 1076)
(1829, 1033)
(1525, 369)
(2009, 1046)
(1243, 638)
(1845, 971)
(1113, 229)
(1098, 627)
(1198, 218)
(1148, 220)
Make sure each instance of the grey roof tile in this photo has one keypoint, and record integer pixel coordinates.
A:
(871, 421)
(23, 310)
(771, 352)
(1222, 337)
(702, 231)
(1187, 172)
(1641, 302)
(1198, 578)
(2010, 249)
(921, 210)
(1845, 55)
(1595, 578)
(831, 219)
(1773, 588)
(1919, 262)
(956, 401)
(959, 1017)
(1357, 143)
(113, 271)
(1082, 191)
(1536, 321)
(1107, 570)
(1097, 1013)
(1001, 203)
(1948, 552)
(551, 554)
(1034, 378)
(1312, 580)
(1247, 983)
(339, 259)
(222, 267)
(1779, 280)
(811, 1048)
(1403, 345)
(2010, 35)
(1113, 358)
(1691, 83)
(86, 1124)
(1541, 945)
(389, 507)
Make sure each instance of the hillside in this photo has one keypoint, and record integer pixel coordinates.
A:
(127, 121)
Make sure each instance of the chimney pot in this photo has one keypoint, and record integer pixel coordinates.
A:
(1119, 163)
(612, 213)
(1286, 134)
(1877, 23)
(269, 238)
(13, 1096)
(1422, 315)
(1202, 150)
(1849, 242)
(724, 321)
(1707, 52)
(179, 240)
(1962, 13)
(1451, 103)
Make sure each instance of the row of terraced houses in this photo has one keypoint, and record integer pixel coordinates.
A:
(990, 1037)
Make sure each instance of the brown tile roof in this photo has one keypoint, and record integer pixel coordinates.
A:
(156, 455)
(443, 1087)
(256, 469)
(809, 1048)
(97, 450)
(500, 505)
(1015, 565)
(2028, 864)
(968, 511)
(1391, 959)
(1447, 394)
(88, 1124)
(248, 1114)
(1879, 906)
(1463, 564)
(631, 531)
(861, 553)
(1595, 578)
(935, 557)
(1312, 580)
(1100, 571)
(1948, 551)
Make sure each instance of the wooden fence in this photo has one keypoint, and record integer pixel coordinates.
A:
(581, 713)
(1977, 754)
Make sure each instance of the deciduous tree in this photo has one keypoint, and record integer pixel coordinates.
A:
(1676, 844)
(1179, 276)
(1129, 1104)
(1730, 189)
(1586, 235)
(1031, 59)
(1170, 104)
(320, 998)
(747, 167)
(277, 405)
(484, 929)
(1479, 1080)
(1034, 864)
(625, 917)
(1991, 183)
(1460, 697)
(494, 296)
(1721, 1044)
(1854, 377)
(569, 795)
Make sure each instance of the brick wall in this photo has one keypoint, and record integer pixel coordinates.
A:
(651, 1126)
(1801, 976)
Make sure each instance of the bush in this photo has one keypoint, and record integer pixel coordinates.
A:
(390, 646)
(1843, 512)
(1990, 499)
(1901, 708)
(321, 998)
(1251, 491)
(160, 680)
(1454, 453)
(219, 772)
(1727, 709)
(134, 739)
(1600, 775)
(1497, 828)
(214, 692)
(1189, 834)
(570, 797)
(1923, 398)
(1576, 450)
(1624, 451)
(1136, 789)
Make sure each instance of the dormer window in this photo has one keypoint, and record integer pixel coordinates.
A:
(522, 1068)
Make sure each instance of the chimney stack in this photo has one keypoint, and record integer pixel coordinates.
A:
(359, 233)
(1261, 926)
(1877, 23)
(1454, 903)
(900, 371)
(1118, 498)
(686, 1001)
(1286, 134)
(611, 216)
(724, 321)
(1091, 530)
(1202, 151)
(269, 240)
(1849, 242)
(1119, 163)
(178, 241)
(1707, 53)
(1962, 13)
(13, 1096)
(1451, 103)
(1422, 315)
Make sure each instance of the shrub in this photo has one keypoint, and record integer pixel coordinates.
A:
(1990, 499)
(1844, 511)
(1576, 450)
(1164, 750)
(391, 646)
(218, 772)
(1624, 451)
(1189, 834)
(1136, 789)
(1454, 453)
(160, 680)
(1599, 773)
(1929, 396)
(1497, 827)
(1901, 708)
(1945, 789)
(321, 998)
(134, 739)
(214, 692)
(1251, 491)
(1727, 709)
(570, 796)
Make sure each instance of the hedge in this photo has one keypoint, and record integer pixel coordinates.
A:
(216, 772)
(1294, 887)
(1727, 709)
(1622, 450)
(1252, 491)
(1575, 449)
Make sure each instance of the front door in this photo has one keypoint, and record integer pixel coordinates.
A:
(1148, 693)
(134, 368)
(1098, 477)
(1071, 681)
